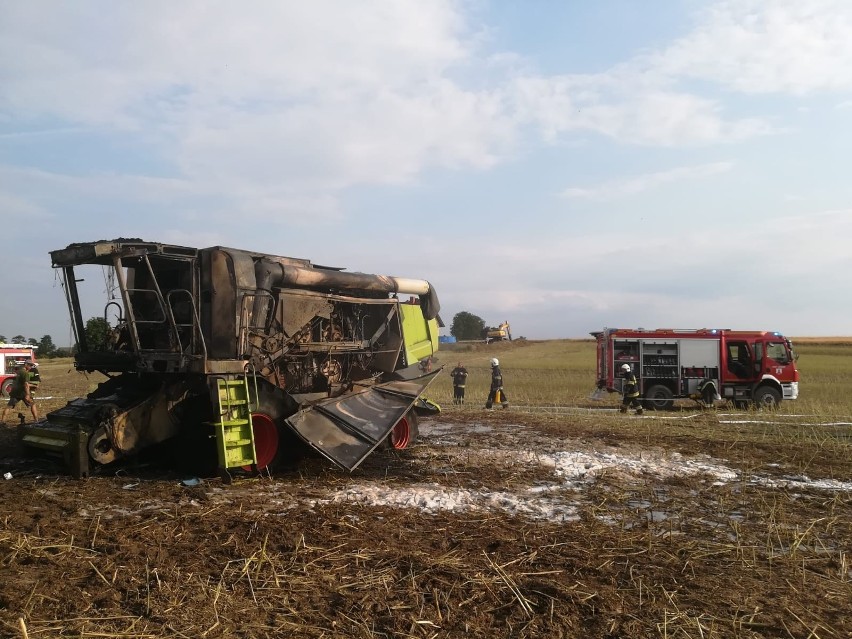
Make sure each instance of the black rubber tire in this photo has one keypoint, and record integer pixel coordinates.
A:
(708, 395)
(766, 396)
(659, 397)
(6, 389)
(414, 425)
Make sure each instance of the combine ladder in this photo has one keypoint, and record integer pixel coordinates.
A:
(234, 433)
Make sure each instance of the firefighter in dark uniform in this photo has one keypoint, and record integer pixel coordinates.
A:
(496, 386)
(630, 387)
(459, 375)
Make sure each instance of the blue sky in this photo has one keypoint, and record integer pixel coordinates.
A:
(566, 166)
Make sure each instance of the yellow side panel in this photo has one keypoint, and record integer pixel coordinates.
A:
(420, 336)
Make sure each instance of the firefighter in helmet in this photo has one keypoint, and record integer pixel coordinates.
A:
(496, 394)
(630, 389)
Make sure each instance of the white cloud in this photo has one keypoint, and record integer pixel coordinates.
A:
(631, 186)
(751, 46)
(328, 146)
(202, 53)
(298, 101)
(755, 46)
(628, 107)
(333, 92)
(288, 102)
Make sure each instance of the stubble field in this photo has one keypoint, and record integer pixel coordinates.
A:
(557, 517)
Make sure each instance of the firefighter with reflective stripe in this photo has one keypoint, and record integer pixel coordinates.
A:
(630, 389)
(35, 377)
(459, 375)
(497, 394)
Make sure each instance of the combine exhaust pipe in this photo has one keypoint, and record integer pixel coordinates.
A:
(270, 273)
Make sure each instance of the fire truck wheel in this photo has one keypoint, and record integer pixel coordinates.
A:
(659, 397)
(7, 388)
(767, 397)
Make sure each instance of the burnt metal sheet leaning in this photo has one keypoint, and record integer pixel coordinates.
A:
(347, 429)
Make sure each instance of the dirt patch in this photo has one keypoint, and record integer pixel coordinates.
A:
(498, 524)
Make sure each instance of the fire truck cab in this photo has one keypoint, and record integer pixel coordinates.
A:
(742, 367)
(12, 356)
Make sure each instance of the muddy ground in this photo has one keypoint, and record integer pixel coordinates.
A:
(492, 525)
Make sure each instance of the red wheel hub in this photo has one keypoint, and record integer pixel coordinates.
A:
(401, 434)
(265, 439)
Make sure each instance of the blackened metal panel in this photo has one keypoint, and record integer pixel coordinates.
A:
(221, 341)
(347, 429)
(226, 275)
(101, 252)
(297, 310)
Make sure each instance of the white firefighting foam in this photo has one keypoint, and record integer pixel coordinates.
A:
(556, 501)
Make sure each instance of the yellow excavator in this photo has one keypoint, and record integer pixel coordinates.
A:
(498, 333)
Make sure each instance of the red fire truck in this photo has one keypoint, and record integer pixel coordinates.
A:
(742, 367)
(11, 356)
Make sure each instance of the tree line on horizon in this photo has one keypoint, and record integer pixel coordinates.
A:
(97, 336)
(45, 348)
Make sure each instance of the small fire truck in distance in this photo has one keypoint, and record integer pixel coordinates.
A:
(706, 365)
(11, 356)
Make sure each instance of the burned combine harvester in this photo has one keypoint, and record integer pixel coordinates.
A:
(251, 352)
